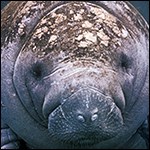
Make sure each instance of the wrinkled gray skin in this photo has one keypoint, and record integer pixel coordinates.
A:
(74, 75)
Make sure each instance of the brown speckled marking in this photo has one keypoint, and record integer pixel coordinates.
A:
(19, 19)
(80, 30)
(29, 11)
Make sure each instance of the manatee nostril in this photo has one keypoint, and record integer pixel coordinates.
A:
(81, 118)
(94, 117)
(87, 117)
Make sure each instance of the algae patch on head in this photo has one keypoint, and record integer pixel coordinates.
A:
(79, 29)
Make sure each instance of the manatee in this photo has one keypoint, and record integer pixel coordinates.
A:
(74, 75)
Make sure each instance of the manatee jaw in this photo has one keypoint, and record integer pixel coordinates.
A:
(86, 117)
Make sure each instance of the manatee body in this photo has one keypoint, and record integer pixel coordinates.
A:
(74, 75)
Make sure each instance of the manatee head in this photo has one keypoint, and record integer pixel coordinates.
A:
(79, 73)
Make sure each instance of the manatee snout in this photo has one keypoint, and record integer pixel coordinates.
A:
(87, 116)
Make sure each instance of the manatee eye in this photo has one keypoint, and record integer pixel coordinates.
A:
(37, 70)
(126, 62)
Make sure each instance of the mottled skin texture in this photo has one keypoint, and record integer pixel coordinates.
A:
(74, 75)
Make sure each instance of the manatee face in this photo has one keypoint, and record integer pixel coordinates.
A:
(76, 67)
(77, 76)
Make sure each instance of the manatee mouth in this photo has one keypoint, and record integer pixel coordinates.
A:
(86, 117)
(81, 138)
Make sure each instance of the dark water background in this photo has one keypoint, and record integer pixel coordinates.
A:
(141, 6)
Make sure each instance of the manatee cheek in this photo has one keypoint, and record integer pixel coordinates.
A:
(87, 114)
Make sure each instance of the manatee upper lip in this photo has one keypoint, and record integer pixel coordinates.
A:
(64, 126)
